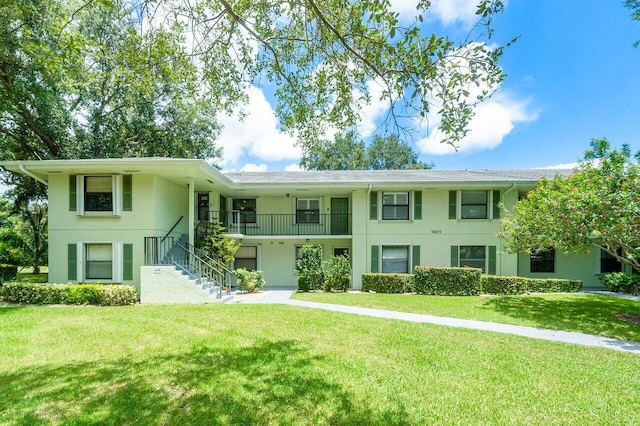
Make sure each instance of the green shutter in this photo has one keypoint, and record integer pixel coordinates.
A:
(373, 205)
(127, 262)
(375, 258)
(72, 262)
(127, 201)
(492, 260)
(415, 254)
(72, 193)
(453, 205)
(417, 205)
(454, 256)
(496, 202)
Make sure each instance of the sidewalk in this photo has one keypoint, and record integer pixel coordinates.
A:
(282, 296)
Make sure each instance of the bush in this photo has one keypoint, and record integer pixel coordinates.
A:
(303, 283)
(250, 281)
(388, 283)
(553, 285)
(447, 281)
(621, 282)
(309, 267)
(69, 294)
(337, 273)
(8, 273)
(493, 284)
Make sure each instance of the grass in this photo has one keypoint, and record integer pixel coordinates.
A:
(585, 313)
(276, 364)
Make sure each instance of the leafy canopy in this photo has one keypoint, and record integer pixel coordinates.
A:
(597, 206)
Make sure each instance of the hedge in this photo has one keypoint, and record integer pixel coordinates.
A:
(447, 281)
(68, 294)
(388, 283)
(8, 273)
(493, 284)
(621, 282)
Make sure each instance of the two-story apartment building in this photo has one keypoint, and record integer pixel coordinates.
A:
(110, 217)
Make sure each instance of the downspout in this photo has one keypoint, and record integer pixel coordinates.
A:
(367, 250)
(513, 186)
(24, 170)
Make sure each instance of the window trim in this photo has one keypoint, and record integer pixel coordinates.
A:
(599, 264)
(116, 190)
(257, 258)
(489, 205)
(485, 268)
(550, 256)
(408, 205)
(117, 263)
(296, 210)
(255, 212)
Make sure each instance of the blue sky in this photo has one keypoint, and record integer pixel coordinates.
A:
(572, 76)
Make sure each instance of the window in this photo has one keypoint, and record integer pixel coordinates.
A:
(307, 210)
(473, 257)
(98, 261)
(395, 206)
(247, 209)
(543, 261)
(247, 258)
(474, 205)
(98, 193)
(341, 251)
(608, 263)
(395, 259)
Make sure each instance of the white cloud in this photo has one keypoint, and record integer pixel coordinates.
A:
(257, 134)
(494, 119)
(295, 167)
(371, 113)
(250, 167)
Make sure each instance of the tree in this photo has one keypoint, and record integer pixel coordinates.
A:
(23, 234)
(84, 78)
(218, 245)
(597, 206)
(634, 6)
(389, 153)
(347, 152)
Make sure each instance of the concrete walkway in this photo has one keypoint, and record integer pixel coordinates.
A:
(282, 296)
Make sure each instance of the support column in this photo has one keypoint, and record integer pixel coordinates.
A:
(192, 210)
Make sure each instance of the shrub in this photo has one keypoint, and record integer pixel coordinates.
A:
(388, 283)
(493, 284)
(303, 283)
(553, 285)
(621, 282)
(309, 266)
(447, 281)
(337, 273)
(70, 294)
(8, 273)
(250, 281)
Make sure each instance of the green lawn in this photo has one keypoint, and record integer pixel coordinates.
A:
(586, 313)
(276, 364)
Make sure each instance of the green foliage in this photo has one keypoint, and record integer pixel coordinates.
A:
(447, 281)
(250, 281)
(634, 6)
(8, 273)
(388, 283)
(26, 242)
(494, 284)
(309, 268)
(596, 207)
(217, 245)
(621, 282)
(337, 273)
(553, 285)
(68, 294)
(347, 152)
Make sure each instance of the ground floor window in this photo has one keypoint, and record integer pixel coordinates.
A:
(395, 259)
(341, 251)
(98, 261)
(246, 258)
(473, 257)
(608, 263)
(543, 261)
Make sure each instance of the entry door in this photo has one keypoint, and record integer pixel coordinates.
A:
(339, 216)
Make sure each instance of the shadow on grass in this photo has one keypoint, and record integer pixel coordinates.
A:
(28, 277)
(267, 383)
(586, 314)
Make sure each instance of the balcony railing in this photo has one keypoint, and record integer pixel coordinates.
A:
(303, 224)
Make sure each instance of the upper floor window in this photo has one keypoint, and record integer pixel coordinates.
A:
(98, 193)
(395, 206)
(543, 261)
(473, 205)
(247, 208)
(307, 210)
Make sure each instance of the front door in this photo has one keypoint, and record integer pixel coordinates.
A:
(339, 216)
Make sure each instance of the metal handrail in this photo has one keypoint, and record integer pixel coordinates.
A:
(285, 224)
(204, 270)
(171, 230)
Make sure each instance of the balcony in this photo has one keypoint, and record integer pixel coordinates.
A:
(304, 223)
